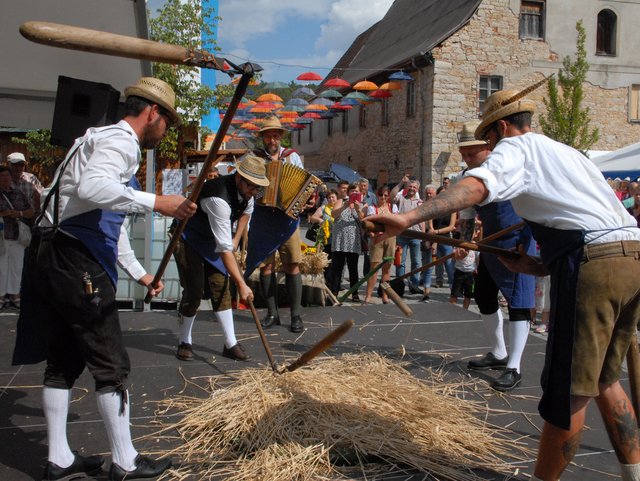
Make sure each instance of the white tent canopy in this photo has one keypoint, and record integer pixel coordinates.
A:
(621, 163)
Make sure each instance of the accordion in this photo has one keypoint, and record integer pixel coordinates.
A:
(289, 188)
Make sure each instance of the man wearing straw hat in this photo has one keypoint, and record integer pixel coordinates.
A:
(205, 251)
(591, 247)
(493, 277)
(271, 134)
(71, 277)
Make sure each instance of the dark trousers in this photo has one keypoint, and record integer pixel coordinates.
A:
(338, 260)
(83, 328)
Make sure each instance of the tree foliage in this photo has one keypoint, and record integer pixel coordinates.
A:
(184, 23)
(566, 121)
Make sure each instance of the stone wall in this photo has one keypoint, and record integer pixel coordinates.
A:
(447, 96)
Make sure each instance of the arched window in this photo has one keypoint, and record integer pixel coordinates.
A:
(606, 40)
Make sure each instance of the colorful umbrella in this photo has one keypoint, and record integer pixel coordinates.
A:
(322, 101)
(380, 94)
(316, 108)
(401, 76)
(275, 85)
(331, 94)
(365, 85)
(308, 76)
(336, 83)
(297, 101)
(356, 95)
(303, 91)
(311, 115)
(269, 98)
(391, 86)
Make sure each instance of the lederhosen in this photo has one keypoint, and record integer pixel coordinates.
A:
(74, 277)
(518, 289)
(562, 252)
(196, 256)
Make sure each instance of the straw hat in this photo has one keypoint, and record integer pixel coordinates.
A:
(504, 103)
(271, 123)
(466, 135)
(158, 92)
(253, 169)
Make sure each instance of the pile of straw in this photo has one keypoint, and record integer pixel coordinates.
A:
(320, 422)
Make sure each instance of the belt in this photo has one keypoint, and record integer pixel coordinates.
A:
(626, 248)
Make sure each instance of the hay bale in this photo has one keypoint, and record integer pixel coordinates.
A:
(319, 422)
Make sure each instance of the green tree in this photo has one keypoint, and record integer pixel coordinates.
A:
(184, 23)
(566, 121)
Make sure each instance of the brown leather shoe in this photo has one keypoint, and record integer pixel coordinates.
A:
(185, 352)
(237, 353)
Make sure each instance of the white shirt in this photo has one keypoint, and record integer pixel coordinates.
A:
(554, 185)
(292, 158)
(219, 213)
(94, 179)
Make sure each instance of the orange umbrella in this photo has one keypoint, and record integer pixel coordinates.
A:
(269, 98)
(391, 86)
(249, 126)
(365, 85)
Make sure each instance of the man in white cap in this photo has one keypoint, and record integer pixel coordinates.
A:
(205, 251)
(25, 182)
(271, 134)
(591, 247)
(493, 277)
(71, 276)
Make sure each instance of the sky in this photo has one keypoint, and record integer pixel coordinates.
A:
(288, 37)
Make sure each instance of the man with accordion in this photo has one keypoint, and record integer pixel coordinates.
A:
(290, 254)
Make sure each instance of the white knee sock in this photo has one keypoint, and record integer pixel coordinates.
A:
(185, 329)
(118, 430)
(493, 326)
(55, 403)
(225, 318)
(518, 335)
(630, 472)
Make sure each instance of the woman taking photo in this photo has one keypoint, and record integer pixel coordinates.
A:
(386, 248)
(346, 244)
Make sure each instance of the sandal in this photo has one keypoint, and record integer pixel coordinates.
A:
(15, 303)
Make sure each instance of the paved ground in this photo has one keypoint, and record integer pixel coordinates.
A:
(437, 334)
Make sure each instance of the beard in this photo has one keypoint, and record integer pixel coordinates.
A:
(151, 136)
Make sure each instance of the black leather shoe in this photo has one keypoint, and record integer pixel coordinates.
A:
(270, 321)
(81, 466)
(510, 378)
(296, 324)
(488, 362)
(145, 468)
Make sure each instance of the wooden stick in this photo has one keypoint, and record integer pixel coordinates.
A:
(364, 279)
(321, 346)
(495, 235)
(393, 295)
(412, 234)
(331, 296)
(263, 337)
(96, 41)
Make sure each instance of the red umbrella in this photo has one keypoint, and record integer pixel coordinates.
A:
(380, 94)
(309, 76)
(337, 82)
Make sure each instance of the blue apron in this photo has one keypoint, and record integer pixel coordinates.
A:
(99, 231)
(561, 252)
(518, 289)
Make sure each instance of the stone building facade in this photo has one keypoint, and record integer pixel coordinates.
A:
(414, 131)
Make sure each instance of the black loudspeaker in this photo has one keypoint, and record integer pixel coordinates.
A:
(81, 104)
